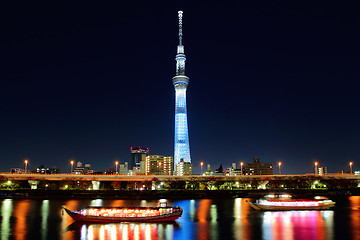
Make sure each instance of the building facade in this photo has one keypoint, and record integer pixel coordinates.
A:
(184, 168)
(124, 168)
(159, 165)
(235, 172)
(138, 154)
(80, 169)
(258, 168)
(180, 82)
(17, 170)
(43, 170)
(322, 170)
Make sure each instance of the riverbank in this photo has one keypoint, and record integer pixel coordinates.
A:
(168, 194)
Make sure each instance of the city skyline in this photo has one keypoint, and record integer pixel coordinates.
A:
(270, 80)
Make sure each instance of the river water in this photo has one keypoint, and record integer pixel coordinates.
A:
(202, 219)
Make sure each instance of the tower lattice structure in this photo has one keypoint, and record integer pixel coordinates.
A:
(180, 82)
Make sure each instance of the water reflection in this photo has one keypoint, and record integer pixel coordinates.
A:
(6, 211)
(20, 213)
(192, 209)
(202, 219)
(67, 220)
(355, 216)
(202, 215)
(96, 202)
(124, 231)
(241, 226)
(298, 225)
(214, 233)
(44, 218)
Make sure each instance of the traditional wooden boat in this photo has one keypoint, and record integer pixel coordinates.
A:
(285, 202)
(126, 214)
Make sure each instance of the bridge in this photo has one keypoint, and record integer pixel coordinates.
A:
(97, 182)
(165, 178)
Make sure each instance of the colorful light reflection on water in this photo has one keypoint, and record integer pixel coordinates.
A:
(126, 231)
(202, 219)
(298, 225)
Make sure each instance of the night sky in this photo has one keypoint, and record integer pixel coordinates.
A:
(86, 81)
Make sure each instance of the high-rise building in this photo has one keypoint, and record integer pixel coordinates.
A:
(180, 82)
(138, 154)
(159, 165)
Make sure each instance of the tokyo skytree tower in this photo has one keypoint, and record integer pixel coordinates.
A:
(180, 82)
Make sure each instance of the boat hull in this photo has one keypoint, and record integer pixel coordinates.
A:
(262, 207)
(99, 219)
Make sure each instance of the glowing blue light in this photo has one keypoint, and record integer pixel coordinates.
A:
(180, 81)
(182, 149)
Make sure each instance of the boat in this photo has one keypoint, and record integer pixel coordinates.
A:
(125, 214)
(284, 202)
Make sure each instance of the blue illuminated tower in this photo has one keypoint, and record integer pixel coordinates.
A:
(180, 82)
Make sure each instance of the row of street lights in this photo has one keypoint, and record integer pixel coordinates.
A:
(279, 164)
(316, 167)
(72, 166)
(201, 165)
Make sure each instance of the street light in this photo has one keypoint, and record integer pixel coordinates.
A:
(316, 164)
(241, 166)
(351, 163)
(26, 163)
(159, 167)
(72, 165)
(116, 164)
(201, 164)
(279, 168)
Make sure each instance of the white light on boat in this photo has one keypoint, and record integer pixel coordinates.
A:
(290, 203)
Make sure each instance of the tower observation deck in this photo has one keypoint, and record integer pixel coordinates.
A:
(180, 82)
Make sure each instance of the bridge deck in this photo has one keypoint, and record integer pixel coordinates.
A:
(142, 178)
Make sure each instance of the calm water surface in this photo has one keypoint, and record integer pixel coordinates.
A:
(202, 219)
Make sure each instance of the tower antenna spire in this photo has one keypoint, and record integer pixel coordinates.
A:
(180, 15)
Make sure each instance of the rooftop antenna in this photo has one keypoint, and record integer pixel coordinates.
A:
(180, 14)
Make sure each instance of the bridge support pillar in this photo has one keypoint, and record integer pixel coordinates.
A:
(33, 183)
(262, 184)
(96, 185)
